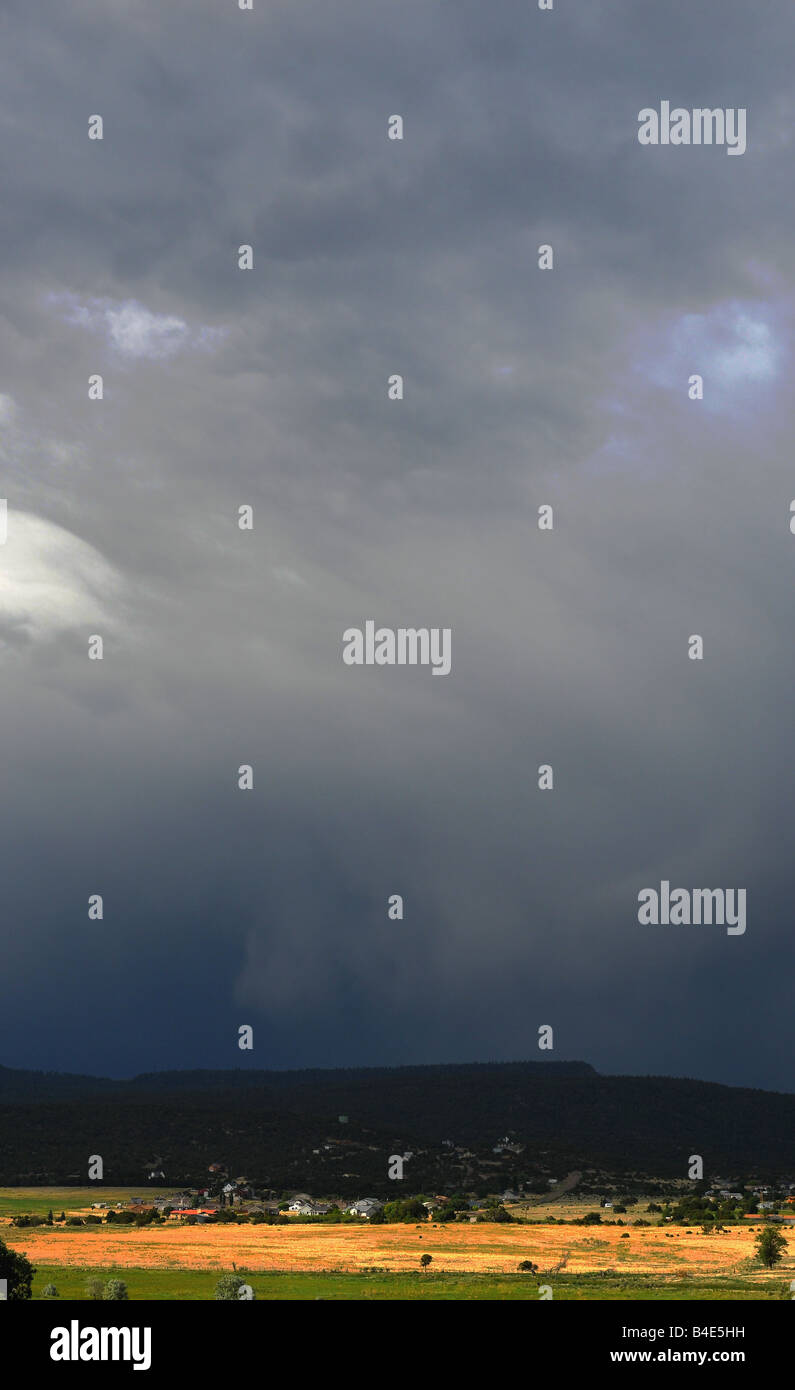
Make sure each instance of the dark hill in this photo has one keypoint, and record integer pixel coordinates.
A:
(268, 1125)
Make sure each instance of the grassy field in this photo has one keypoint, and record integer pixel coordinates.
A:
(469, 1261)
(198, 1285)
(456, 1249)
(37, 1201)
(572, 1208)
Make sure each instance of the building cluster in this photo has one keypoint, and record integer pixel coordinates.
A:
(199, 1204)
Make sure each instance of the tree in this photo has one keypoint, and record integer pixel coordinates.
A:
(499, 1213)
(770, 1246)
(527, 1267)
(17, 1271)
(425, 1260)
(49, 1291)
(405, 1209)
(94, 1288)
(49, 1217)
(115, 1290)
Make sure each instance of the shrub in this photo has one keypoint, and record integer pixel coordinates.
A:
(228, 1288)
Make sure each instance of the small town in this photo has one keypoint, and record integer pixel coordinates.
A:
(238, 1200)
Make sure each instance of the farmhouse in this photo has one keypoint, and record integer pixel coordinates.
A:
(182, 1201)
(266, 1208)
(366, 1206)
(197, 1213)
(306, 1206)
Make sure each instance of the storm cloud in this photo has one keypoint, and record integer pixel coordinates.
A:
(268, 387)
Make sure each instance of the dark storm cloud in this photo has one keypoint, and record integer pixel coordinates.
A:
(222, 647)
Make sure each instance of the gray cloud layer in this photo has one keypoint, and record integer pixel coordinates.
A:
(269, 387)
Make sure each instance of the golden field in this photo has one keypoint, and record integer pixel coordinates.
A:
(475, 1249)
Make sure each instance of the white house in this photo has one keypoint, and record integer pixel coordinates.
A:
(366, 1206)
(306, 1207)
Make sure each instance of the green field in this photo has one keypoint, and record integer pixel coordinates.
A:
(168, 1284)
(37, 1201)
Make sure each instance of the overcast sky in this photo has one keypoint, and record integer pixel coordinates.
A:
(268, 387)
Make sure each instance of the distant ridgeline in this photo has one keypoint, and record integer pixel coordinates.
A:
(53, 1085)
(307, 1128)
